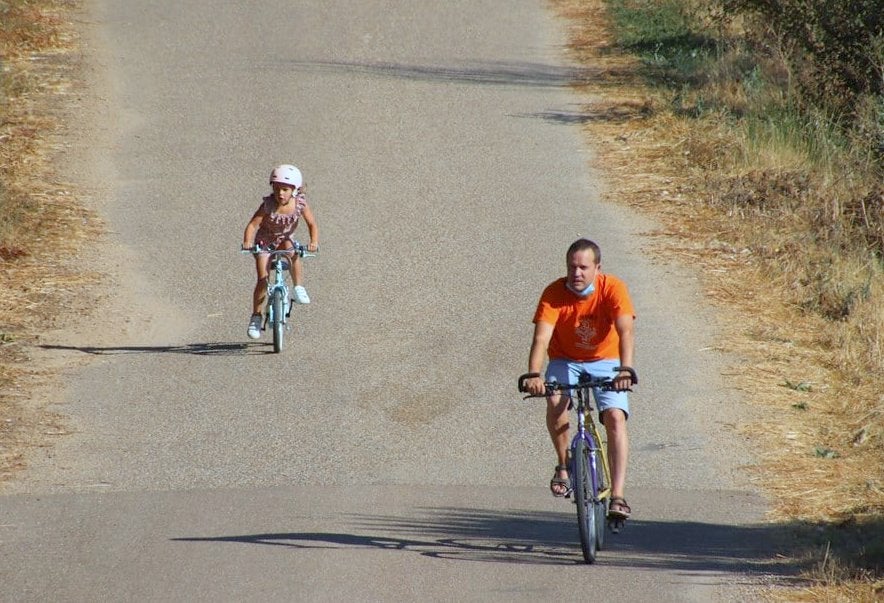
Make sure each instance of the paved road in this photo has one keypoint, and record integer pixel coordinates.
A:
(385, 454)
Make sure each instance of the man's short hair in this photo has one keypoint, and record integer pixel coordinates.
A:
(582, 245)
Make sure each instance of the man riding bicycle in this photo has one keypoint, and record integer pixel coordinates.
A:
(584, 323)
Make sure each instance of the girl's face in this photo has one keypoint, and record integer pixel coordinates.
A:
(283, 193)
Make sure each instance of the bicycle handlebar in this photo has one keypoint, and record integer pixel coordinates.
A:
(586, 380)
(298, 248)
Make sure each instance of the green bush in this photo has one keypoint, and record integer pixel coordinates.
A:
(835, 50)
(664, 35)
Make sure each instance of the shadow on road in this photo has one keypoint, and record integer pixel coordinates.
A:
(488, 74)
(550, 538)
(237, 348)
(532, 75)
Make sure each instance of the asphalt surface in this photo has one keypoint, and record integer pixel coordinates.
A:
(385, 454)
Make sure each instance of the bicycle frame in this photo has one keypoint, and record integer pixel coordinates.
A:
(585, 397)
(279, 263)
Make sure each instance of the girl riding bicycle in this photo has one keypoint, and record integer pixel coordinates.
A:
(273, 225)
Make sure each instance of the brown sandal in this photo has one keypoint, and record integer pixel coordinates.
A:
(560, 486)
(618, 509)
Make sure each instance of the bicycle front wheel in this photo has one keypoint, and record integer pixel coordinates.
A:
(584, 497)
(277, 305)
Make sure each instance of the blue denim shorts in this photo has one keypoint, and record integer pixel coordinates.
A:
(569, 371)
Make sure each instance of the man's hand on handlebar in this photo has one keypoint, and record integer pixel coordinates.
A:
(534, 384)
(625, 379)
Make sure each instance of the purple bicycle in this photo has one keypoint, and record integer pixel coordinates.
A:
(588, 460)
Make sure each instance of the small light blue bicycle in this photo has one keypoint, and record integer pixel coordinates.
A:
(279, 304)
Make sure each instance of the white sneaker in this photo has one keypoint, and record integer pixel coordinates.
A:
(301, 296)
(255, 326)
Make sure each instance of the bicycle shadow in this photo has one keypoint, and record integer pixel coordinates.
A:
(237, 348)
(533, 538)
(477, 535)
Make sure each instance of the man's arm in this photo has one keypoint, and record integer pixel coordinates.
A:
(624, 324)
(543, 332)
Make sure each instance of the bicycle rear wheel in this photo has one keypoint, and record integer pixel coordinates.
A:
(584, 497)
(277, 307)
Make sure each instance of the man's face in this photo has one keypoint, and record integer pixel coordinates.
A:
(582, 269)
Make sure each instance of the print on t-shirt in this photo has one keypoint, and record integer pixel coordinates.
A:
(584, 333)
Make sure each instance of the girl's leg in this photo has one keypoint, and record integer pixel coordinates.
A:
(259, 295)
(297, 270)
(300, 293)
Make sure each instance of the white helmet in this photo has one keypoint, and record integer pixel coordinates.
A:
(287, 174)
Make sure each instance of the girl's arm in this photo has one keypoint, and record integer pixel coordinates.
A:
(307, 214)
(248, 237)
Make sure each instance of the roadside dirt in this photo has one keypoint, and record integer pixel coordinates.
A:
(64, 285)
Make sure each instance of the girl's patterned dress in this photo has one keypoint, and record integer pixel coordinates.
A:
(276, 228)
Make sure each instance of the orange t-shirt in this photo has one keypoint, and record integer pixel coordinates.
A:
(584, 326)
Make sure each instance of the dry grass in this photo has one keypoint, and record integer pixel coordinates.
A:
(42, 224)
(744, 225)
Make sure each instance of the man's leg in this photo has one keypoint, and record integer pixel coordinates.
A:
(618, 448)
(614, 420)
(558, 426)
(557, 419)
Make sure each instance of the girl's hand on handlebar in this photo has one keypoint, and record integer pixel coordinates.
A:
(313, 247)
